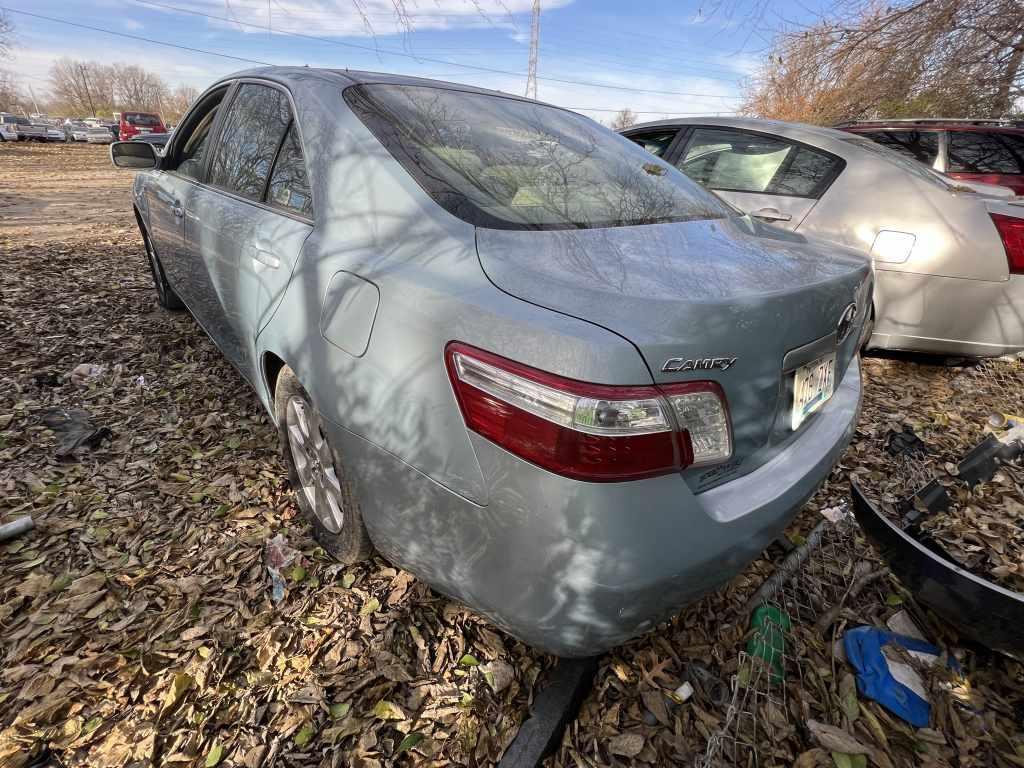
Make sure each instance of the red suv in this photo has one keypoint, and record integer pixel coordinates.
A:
(990, 151)
(134, 123)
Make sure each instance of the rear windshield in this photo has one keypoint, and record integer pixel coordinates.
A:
(140, 118)
(503, 163)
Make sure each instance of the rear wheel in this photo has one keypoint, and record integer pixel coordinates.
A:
(165, 294)
(318, 478)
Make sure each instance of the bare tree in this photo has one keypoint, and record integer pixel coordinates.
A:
(81, 87)
(10, 96)
(178, 102)
(6, 35)
(138, 89)
(92, 88)
(955, 58)
(623, 119)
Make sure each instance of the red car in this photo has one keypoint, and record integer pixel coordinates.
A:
(989, 151)
(134, 123)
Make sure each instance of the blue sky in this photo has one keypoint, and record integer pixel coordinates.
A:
(657, 58)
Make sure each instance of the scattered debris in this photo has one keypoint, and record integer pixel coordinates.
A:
(278, 556)
(82, 373)
(892, 682)
(74, 428)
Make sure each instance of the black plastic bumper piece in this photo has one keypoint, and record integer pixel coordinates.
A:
(554, 708)
(987, 613)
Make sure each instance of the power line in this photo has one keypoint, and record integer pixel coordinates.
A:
(402, 54)
(135, 37)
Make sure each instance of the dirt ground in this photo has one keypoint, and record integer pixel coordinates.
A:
(136, 622)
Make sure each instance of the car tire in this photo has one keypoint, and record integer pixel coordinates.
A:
(319, 480)
(165, 295)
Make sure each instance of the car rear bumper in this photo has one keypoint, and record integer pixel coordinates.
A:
(947, 315)
(576, 568)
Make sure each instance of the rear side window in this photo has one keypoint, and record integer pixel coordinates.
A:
(256, 123)
(922, 146)
(976, 152)
(505, 163)
(738, 161)
(656, 143)
(289, 186)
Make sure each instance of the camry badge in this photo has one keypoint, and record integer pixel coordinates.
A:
(845, 323)
(678, 364)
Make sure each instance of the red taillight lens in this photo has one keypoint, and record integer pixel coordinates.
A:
(1011, 230)
(584, 431)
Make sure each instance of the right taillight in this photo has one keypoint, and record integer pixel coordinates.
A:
(1011, 230)
(587, 431)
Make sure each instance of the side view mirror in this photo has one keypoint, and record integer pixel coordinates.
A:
(133, 154)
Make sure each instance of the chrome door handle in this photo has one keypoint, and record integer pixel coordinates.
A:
(771, 214)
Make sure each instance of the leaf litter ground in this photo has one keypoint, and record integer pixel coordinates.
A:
(136, 625)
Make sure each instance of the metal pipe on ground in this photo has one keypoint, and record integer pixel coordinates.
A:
(16, 527)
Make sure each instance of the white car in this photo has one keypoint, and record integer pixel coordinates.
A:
(99, 135)
(53, 133)
(948, 255)
(8, 127)
(76, 130)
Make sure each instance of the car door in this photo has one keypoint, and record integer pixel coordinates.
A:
(247, 225)
(168, 196)
(773, 179)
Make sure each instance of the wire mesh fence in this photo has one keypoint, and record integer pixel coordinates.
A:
(769, 689)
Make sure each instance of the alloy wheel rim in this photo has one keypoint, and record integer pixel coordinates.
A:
(314, 464)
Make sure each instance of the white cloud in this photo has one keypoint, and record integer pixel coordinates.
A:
(132, 25)
(344, 18)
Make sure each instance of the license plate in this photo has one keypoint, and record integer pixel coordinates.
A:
(813, 385)
(144, 130)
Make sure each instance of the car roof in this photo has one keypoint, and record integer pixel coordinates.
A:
(346, 77)
(966, 127)
(936, 124)
(812, 134)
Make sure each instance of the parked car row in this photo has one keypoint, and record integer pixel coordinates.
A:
(556, 376)
(143, 126)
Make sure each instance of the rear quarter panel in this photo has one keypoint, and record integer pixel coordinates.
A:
(953, 235)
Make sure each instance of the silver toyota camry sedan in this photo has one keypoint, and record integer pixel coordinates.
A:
(505, 347)
(948, 256)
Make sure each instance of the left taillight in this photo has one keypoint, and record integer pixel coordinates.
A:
(1011, 231)
(587, 431)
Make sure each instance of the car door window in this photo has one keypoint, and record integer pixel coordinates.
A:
(977, 152)
(655, 142)
(738, 161)
(185, 154)
(922, 146)
(289, 184)
(191, 163)
(253, 129)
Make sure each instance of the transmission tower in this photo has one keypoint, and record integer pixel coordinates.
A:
(531, 76)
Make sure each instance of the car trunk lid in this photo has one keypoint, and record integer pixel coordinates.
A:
(736, 302)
